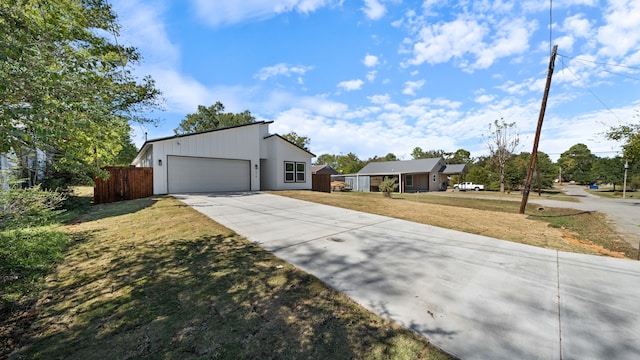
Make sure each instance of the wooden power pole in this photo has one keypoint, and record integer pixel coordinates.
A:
(534, 152)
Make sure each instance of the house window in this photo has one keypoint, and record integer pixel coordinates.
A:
(300, 173)
(408, 180)
(294, 171)
(289, 171)
(434, 178)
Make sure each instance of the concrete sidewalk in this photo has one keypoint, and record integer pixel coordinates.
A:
(473, 296)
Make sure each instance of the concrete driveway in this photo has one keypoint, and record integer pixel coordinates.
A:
(473, 296)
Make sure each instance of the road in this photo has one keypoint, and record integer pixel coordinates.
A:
(623, 213)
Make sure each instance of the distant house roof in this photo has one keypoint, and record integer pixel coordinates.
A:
(455, 169)
(411, 167)
(401, 166)
(324, 169)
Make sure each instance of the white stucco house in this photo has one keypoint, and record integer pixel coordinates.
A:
(239, 158)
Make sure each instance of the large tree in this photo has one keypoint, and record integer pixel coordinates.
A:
(66, 86)
(349, 164)
(212, 117)
(609, 171)
(630, 134)
(501, 143)
(576, 164)
(328, 159)
(299, 140)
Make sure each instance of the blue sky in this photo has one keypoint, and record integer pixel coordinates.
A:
(379, 76)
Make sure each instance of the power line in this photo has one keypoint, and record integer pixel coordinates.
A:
(599, 62)
(589, 90)
(603, 69)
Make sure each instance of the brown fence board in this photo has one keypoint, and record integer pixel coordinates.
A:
(321, 182)
(124, 183)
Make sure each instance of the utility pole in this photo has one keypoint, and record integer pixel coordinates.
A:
(534, 152)
(624, 188)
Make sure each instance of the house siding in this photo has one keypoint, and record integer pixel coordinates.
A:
(241, 143)
(279, 151)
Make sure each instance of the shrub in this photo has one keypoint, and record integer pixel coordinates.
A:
(20, 208)
(387, 186)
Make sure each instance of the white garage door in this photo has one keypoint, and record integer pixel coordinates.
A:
(192, 174)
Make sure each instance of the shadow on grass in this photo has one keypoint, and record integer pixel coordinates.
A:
(102, 211)
(558, 215)
(210, 297)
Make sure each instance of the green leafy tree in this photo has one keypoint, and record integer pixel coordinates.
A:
(516, 171)
(576, 164)
(418, 153)
(210, 118)
(66, 86)
(630, 135)
(300, 141)
(501, 143)
(328, 159)
(128, 151)
(349, 164)
(388, 157)
(461, 156)
(609, 171)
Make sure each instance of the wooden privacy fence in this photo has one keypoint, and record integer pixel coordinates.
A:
(124, 183)
(321, 182)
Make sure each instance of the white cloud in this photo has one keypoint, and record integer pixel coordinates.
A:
(620, 35)
(370, 60)
(577, 26)
(482, 99)
(224, 12)
(410, 87)
(476, 41)
(143, 27)
(379, 99)
(281, 69)
(351, 85)
(440, 42)
(371, 75)
(374, 9)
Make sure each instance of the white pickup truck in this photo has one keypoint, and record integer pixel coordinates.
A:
(468, 186)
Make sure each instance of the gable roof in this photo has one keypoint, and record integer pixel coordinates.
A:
(148, 143)
(323, 169)
(455, 169)
(301, 148)
(401, 166)
(206, 131)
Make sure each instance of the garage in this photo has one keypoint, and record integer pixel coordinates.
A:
(195, 174)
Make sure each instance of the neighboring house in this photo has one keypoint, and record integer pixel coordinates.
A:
(238, 158)
(27, 167)
(324, 169)
(411, 175)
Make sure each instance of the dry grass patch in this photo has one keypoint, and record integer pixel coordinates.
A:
(551, 228)
(152, 278)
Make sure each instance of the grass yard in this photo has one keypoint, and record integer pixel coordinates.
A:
(554, 228)
(152, 278)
